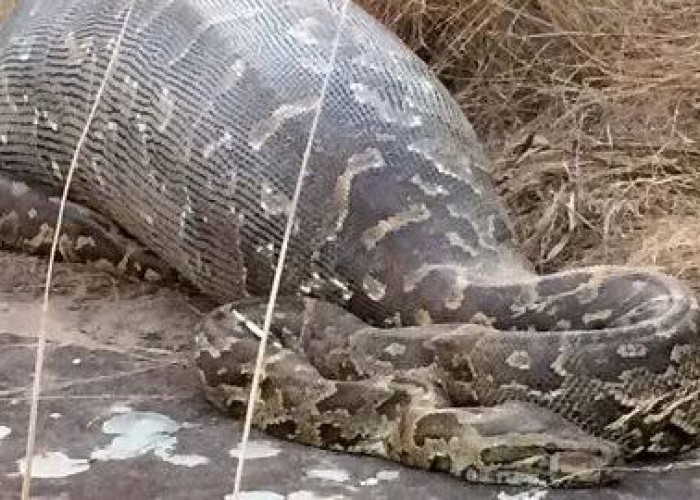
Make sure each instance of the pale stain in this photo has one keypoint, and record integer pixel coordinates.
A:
(256, 450)
(602, 315)
(370, 159)
(212, 147)
(375, 289)
(19, 188)
(268, 127)
(519, 360)
(395, 349)
(382, 475)
(310, 495)
(56, 170)
(563, 324)
(631, 350)
(53, 465)
(234, 74)
(140, 433)
(385, 110)
(272, 201)
(447, 158)
(256, 495)
(414, 214)
(432, 189)
(303, 31)
(335, 475)
(166, 108)
(456, 240)
(43, 237)
(84, 241)
(534, 494)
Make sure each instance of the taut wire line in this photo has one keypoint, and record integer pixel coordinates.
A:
(283, 253)
(41, 340)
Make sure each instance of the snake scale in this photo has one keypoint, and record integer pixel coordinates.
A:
(409, 327)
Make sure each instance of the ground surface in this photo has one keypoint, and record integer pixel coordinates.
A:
(121, 415)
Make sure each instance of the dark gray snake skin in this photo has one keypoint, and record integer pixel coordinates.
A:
(410, 327)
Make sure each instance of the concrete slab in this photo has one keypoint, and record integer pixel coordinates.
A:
(122, 417)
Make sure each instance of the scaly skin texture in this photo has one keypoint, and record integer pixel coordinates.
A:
(428, 340)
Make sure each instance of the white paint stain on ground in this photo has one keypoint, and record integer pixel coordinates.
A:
(382, 475)
(120, 408)
(4, 431)
(256, 449)
(54, 464)
(256, 495)
(139, 433)
(310, 495)
(523, 495)
(190, 460)
(336, 475)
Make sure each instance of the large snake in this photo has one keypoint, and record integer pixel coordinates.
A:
(409, 326)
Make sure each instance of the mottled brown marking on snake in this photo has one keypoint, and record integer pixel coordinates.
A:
(429, 340)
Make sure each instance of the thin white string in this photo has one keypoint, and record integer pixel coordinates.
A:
(252, 397)
(41, 341)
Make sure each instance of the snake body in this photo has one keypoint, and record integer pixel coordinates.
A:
(409, 326)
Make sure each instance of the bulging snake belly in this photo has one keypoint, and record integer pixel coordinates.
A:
(410, 327)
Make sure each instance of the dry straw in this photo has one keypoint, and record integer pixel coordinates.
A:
(591, 112)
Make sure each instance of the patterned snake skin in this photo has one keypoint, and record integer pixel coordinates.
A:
(409, 326)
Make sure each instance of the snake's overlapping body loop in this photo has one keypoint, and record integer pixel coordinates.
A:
(411, 328)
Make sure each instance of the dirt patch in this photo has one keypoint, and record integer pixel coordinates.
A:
(95, 309)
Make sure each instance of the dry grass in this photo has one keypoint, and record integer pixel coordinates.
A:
(591, 112)
(5, 7)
